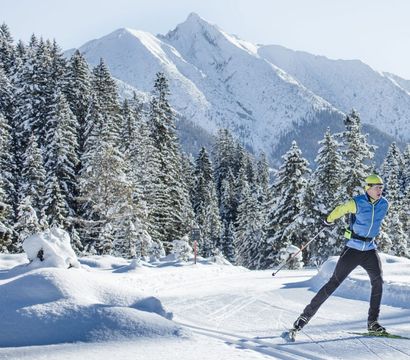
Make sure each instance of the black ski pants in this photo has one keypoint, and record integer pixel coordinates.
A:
(349, 259)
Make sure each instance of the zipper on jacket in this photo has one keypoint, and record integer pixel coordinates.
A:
(371, 224)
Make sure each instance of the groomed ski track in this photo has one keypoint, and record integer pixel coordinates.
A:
(249, 310)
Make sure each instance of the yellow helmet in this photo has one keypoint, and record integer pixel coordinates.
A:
(371, 180)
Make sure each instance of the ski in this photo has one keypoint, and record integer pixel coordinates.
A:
(290, 335)
(380, 334)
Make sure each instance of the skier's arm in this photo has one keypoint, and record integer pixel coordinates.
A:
(341, 210)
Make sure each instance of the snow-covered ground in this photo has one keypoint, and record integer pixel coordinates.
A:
(112, 308)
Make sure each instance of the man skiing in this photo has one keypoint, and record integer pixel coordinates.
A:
(367, 212)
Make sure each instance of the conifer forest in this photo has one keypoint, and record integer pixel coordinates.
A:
(112, 173)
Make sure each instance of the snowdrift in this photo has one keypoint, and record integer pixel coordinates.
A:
(53, 305)
(53, 299)
(396, 288)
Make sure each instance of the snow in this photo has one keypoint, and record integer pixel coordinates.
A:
(54, 248)
(216, 80)
(259, 92)
(348, 84)
(132, 309)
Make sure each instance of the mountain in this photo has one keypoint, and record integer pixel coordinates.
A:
(348, 84)
(398, 81)
(265, 95)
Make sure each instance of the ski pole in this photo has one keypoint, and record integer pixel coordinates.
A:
(296, 253)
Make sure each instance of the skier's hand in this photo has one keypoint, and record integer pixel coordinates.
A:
(328, 224)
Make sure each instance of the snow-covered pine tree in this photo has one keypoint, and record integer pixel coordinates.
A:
(391, 170)
(6, 95)
(137, 148)
(55, 206)
(6, 167)
(106, 196)
(169, 206)
(239, 184)
(58, 68)
(10, 156)
(288, 191)
(263, 181)
(7, 52)
(188, 169)
(228, 241)
(205, 205)
(30, 215)
(33, 94)
(61, 160)
(226, 212)
(324, 193)
(224, 159)
(357, 153)
(249, 233)
(78, 93)
(27, 223)
(105, 191)
(392, 224)
(6, 210)
(406, 169)
(405, 214)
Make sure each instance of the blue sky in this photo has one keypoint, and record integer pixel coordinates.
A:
(374, 31)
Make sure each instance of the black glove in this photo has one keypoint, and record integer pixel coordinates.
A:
(328, 224)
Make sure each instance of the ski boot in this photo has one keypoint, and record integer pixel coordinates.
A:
(375, 327)
(298, 325)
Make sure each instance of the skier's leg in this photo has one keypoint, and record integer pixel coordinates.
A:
(371, 263)
(348, 260)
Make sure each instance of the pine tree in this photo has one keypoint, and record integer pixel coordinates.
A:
(55, 206)
(224, 155)
(27, 223)
(228, 241)
(106, 198)
(78, 93)
(6, 232)
(7, 53)
(103, 185)
(6, 179)
(262, 181)
(61, 160)
(288, 190)
(6, 95)
(30, 215)
(249, 234)
(137, 148)
(33, 96)
(322, 196)
(393, 225)
(406, 169)
(170, 211)
(392, 169)
(226, 213)
(357, 153)
(205, 205)
(58, 68)
(405, 190)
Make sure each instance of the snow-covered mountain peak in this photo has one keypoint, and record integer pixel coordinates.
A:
(266, 95)
(193, 24)
(196, 33)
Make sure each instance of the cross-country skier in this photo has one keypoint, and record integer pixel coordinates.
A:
(367, 212)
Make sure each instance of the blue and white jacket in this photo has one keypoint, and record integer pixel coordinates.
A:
(366, 217)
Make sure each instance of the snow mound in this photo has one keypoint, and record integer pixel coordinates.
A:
(52, 305)
(50, 248)
(396, 288)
